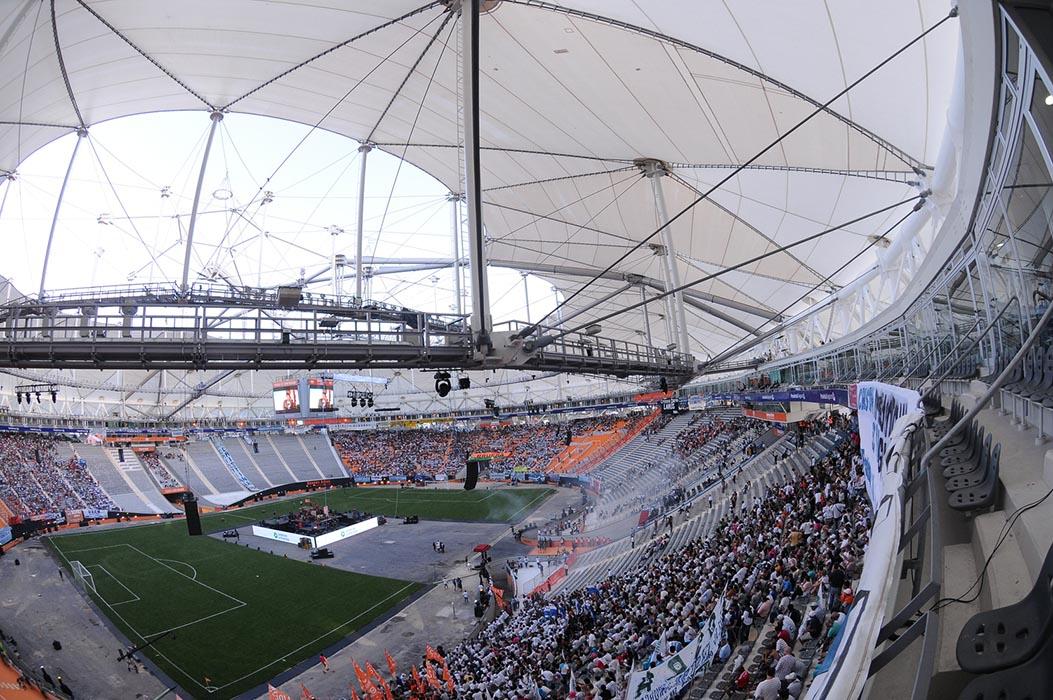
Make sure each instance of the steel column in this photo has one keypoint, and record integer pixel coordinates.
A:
(81, 133)
(655, 171)
(481, 322)
(216, 118)
(526, 295)
(455, 232)
(646, 315)
(364, 149)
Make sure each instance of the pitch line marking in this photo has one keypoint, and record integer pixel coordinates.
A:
(322, 636)
(119, 583)
(176, 561)
(134, 631)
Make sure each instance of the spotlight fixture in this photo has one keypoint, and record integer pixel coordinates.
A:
(464, 382)
(442, 384)
(25, 392)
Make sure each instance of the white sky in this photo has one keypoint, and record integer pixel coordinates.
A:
(316, 188)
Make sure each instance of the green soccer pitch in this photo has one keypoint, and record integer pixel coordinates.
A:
(239, 617)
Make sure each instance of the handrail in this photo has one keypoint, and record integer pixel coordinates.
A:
(924, 670)
(976, 341)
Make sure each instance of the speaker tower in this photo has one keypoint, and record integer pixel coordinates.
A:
(193, 519)
(471, 476)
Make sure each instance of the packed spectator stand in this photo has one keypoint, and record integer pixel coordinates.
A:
(35, 479)
(434, 451)
(159, 469)
(782, 545)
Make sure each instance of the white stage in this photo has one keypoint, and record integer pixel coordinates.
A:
(320, 541)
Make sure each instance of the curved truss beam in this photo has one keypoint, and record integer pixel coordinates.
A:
(331, 49)
(907, 177)
(145, 55)
(62, 68)
(569, 271)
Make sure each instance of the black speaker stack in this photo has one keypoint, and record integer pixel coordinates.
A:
(472, 476)
(193, 519)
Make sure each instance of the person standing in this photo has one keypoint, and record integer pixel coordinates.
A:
(325, 663)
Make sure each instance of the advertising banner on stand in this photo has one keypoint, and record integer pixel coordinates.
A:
(663, 681)
(880, 407)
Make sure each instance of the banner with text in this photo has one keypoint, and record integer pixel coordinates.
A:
(663, 681)
(880, 407)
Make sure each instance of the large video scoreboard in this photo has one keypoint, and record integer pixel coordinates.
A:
(303, 396)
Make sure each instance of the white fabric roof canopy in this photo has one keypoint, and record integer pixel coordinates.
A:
(570, 95)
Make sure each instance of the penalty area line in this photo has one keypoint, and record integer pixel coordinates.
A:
(320, 637)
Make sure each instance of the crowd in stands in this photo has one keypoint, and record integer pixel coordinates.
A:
(802, 541)
(34, 479)
(431, 452)
(153, 462)
(698, 433)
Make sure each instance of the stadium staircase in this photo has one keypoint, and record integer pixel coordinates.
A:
(177, 474)
(241, 450)
(272, 462)
(126, 483)
(228, 460)
(642, 448)
(292, 452)
(337, 459)
(322, 454)
(143, 484)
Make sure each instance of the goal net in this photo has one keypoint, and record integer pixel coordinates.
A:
(81, 573)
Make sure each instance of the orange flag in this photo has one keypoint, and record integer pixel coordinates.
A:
(386, 687)
(429, 673)
(305, 694)
(449, 679)
(371, 671)
(391, 664)
(276, 693)
(417, 682)
(354, 695)
(363, 679)
(432, 654)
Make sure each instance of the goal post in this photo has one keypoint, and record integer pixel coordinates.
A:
(83, 576)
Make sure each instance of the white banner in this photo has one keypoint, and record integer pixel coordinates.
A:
(278, 535)
(880, 407)
(668, 678)
(843, 672)
(345, 532)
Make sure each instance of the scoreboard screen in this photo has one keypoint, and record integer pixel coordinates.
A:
(320, 394)
(286, 396)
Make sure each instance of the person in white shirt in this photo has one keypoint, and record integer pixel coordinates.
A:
(769, 688)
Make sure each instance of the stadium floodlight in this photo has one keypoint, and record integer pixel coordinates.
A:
(18, 395)
(442, 384)
(38, 397)
(54, 396)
